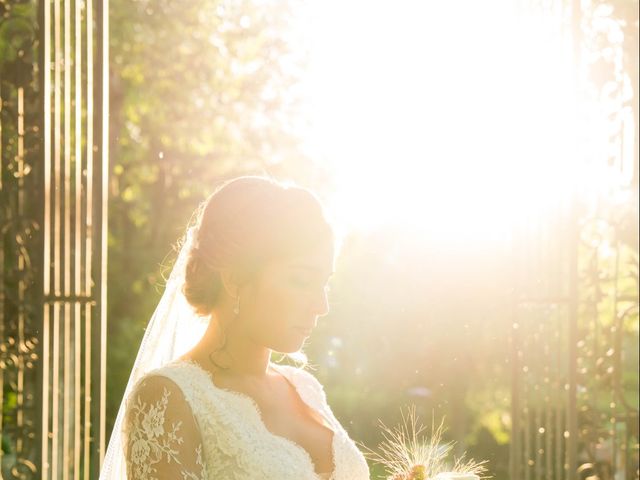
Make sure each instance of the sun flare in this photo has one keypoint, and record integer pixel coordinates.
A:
(449, 117)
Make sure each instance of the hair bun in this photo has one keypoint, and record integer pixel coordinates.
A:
(245, 222)
(201, 284)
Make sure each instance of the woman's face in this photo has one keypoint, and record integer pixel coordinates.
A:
(287, 298)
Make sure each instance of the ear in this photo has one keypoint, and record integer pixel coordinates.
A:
(230, 282)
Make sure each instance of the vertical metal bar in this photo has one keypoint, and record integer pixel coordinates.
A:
(527, 439)
(77, 64)
(551, 346)
(103, 37)
(548, 416)
(98, 335)
(572, 418)
(55, 410)
(87, 394)
(78, 239)
(21, 284)
(57, 150)
(46, 271)
(616, 366)
(538, 442)
(617, 332)
(46, 93)
(88, 413)
(560, 383)
(572, 407)
(102, 126)
(66, 420)
(526, 394)
(515, 457)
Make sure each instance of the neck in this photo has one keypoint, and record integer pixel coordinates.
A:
(242, 356)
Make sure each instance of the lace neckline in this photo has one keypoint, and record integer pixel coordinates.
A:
(247, 398)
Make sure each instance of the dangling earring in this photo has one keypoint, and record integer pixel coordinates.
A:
(236, 309)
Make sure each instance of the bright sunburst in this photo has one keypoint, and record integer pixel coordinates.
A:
(449, 117)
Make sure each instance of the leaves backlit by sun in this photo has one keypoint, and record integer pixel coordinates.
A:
(408, 454)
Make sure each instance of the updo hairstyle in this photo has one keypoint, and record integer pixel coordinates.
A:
(246, 222)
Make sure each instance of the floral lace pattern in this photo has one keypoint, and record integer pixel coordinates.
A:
(153, 441)
(226, 437)
(202, 475)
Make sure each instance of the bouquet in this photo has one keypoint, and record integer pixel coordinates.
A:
(406, 455)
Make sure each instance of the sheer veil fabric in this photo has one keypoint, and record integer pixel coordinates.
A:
(173, 329)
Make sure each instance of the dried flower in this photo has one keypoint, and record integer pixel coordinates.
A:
(407, 455)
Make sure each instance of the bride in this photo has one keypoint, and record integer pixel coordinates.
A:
(204, 401)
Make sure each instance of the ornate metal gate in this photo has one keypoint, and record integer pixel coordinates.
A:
(53, 172)
(575, 303)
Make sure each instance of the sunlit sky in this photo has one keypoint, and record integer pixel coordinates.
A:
(449, 117)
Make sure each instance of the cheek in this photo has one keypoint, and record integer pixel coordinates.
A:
(275, 304)
(277, 307)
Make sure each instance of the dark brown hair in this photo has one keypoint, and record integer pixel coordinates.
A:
(247, 221)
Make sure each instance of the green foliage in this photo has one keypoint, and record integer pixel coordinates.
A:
(205, 90)
(199, 91)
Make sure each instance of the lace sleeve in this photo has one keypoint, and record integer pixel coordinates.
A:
(161, 438)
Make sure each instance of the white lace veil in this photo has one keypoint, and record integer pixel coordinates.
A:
(173, 329)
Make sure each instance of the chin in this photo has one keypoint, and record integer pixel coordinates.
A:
(288, 347)
(287, 343)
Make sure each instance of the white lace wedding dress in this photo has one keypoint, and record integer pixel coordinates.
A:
(180, 424)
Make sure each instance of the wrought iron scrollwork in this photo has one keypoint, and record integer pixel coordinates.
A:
(52, 219)
(575, 302)
(20, 254)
